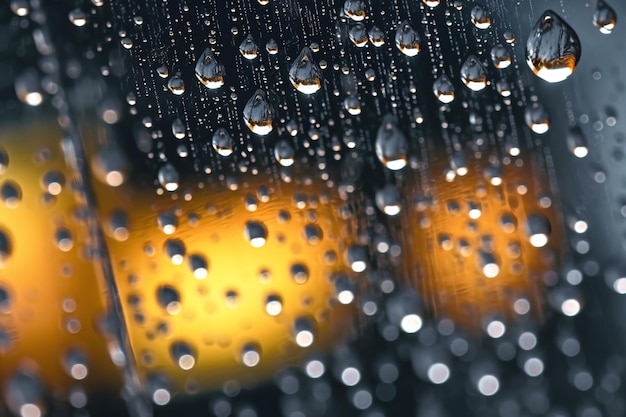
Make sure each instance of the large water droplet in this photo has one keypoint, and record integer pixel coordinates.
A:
(209, 71)
(604, 17)
(480, 17)
(443, 89)
(355, 9)
(407, 39)
(391, 144)
(249, 48)
(358, 35)
(305, 75)
(553, 48)
(473, 74)
(222, 142)
(258, 114)
(169, 177)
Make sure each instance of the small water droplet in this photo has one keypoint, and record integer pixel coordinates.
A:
(271, 46)
(407, 39)
(251, 355)
(209, 71)
(222, 142)
(537, 118)
(28, 88)
(78, 17)
(20, 7)
(553, 48)
(175, 250)
(256, 233)
(388, 200)
(376, 36)
(168, 177)
(169, 299)
(537, 228)
(431, 3)
(443, 89)
(259, 114)
(303, 332)
(75, 364)
(176, 85)
(284, 153)
(305, 75)
(501, 57)
(604, 17)
(10, 193)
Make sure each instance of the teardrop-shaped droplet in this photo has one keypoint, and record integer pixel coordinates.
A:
(28, 87)
(249, 48)
(284, 153)
(500, 56)
(271, 46)
(258, 114)
(305, 75)
(78, 17)
(604, 17)
(169, 177)
(352, 105)
(480, 17)
(473, 74)
(358, 35)
(444, 89)
(391, 145)
(407, 39)
(178, 128)
(354, 9)
(209, 71)
(176, 85)
(222, 142)
(537, 118)
(388, 200)
(20, 7)
(377, 36)
(553, 48)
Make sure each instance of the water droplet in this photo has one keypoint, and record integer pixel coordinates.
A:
(431, 3)
(10, 193)
(127, 43)
(169, 299)
(504, 88)
(20, 7)
(209, 71)
(353, 105)
(162, 71)
(178, 128)
(28, 88)
(501, 57)
(175, 250)
(577, 143)
(176, 85)
(391, 145)
(376, 36)
(258, 114)
(356, 257)
(168, 177)
(64, 240)
(271, 46)
(604, 17)
(480, 17)
(248, 48)
(305, 75)
(388, 200)
(78, 17)
(473, 74)
(168, 222)
(23, 394)
(199, 266)
(407, 39)
(6, 248)
(222, 142)
(358, 35)
(303, 332)
(553, 48)
(273, 305)
(443, 89)
(537, 118)
(537, 228)
(284, 153)
(299, 273)
(4, 161)
(355, 9)
(255, 233)
(251, 355)
(183, 355)
(75, 364)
